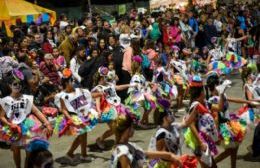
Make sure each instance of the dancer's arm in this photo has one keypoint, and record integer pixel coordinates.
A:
(124, 162)
(98, 105)
(43, 119)
(122, 87)
(64, 110)
(3, 118)
(248, 93)
(241, 38)
(96, 94)
(238, 100)
(40, 115)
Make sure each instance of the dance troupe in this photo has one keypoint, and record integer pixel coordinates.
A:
(207, 125)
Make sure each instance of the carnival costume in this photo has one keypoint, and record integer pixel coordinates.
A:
(19, 112)
(80, 106)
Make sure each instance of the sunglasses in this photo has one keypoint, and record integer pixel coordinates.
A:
(16, 84)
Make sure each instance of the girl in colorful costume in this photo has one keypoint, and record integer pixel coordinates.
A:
(141, 95)
(252, 93)
(20, 119)
(109, 104)
(168, 138)
(78, 114)
(231, 129)
(201, 136)
(178, 75)
(126, 154)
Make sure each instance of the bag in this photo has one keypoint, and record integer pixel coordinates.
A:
(146, 62)
(206, 157)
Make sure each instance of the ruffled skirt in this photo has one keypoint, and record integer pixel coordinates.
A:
(30, 127)
(192, 142)
(140, 102)
(108, 114)
(63, 126)
(186, 160)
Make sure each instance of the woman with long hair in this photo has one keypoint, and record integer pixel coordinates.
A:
(132, 50)
(76, 62)
(49, 42)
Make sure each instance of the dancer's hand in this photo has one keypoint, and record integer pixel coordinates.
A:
(15, 128)
(177, 160)
(49, 130)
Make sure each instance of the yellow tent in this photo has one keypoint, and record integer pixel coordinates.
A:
(13, 10)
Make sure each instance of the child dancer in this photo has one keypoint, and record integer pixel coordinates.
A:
(201, 136)
(141, 95)
(126, 154)
(230, 130)
(20, 118)
(168, 138)
(78, 115)
(109, 104)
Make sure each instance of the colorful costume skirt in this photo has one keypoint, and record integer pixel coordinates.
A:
(108, 114)
(192, 142)
(64, 127)
(234, 60)
(186, 160)
(125, 110)
(30, 128)
(231, 134)
(139, 102)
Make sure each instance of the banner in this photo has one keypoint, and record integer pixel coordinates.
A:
(204, 2)
(154, 4)
(122, 9)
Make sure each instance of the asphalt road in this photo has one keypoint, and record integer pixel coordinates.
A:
(59, 146)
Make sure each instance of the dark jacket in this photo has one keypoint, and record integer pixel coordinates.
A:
(88, 69)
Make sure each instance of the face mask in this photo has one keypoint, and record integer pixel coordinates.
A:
(16, 87)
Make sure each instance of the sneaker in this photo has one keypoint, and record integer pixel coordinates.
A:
(86, 158)
(100, 144)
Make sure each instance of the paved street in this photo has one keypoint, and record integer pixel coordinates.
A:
(142, 137)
